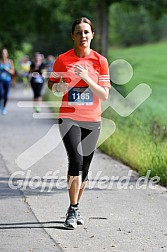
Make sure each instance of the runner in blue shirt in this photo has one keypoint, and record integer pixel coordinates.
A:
(6, 70)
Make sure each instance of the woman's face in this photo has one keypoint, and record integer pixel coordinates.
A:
(4, 53)
(38, 57)
(82, 35)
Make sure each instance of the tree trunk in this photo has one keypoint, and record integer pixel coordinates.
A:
(101, 31)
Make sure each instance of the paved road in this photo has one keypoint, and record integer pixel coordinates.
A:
(121, 213)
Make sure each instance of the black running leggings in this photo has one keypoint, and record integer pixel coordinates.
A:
(37, 88)
(80, 140)
(4, 91)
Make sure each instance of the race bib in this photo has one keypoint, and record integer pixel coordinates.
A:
(80, 96)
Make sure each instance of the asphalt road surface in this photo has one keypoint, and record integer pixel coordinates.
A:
(122, 211)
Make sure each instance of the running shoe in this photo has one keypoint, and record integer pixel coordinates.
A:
(71, 218)
(80, 221)
(37, 109)
(4, 111)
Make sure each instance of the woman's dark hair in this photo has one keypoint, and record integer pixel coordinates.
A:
(82, 20)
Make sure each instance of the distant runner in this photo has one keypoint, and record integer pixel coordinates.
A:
(6, 71)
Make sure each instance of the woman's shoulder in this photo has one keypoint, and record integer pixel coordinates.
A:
(98, 55)
(100, 58)
(32, 64)
(66, 54)
(43, 65)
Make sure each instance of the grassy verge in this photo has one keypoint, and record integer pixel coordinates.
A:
(140, 140)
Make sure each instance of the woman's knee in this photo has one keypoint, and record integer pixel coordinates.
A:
(75, 167)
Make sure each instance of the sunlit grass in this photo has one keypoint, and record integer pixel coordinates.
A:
(140, 140)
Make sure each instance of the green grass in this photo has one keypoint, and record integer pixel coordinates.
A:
(140, 140)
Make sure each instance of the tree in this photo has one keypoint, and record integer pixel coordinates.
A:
(155, 8)
(102, 10)
(16, 23)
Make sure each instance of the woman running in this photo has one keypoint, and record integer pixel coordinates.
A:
(37, 81)
(6, 70)
(82, 75)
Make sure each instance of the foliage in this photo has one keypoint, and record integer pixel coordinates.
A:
(46, 24)
(136, 26)
(16, 21)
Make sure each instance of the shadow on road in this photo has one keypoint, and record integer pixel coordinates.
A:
(32, 225)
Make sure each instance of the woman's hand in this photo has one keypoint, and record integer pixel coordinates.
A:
(101, 92)
(57, 87)
(62, 87)
(81, 72)
(9, 70)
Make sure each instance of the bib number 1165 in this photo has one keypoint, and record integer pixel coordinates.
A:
(82, 96)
